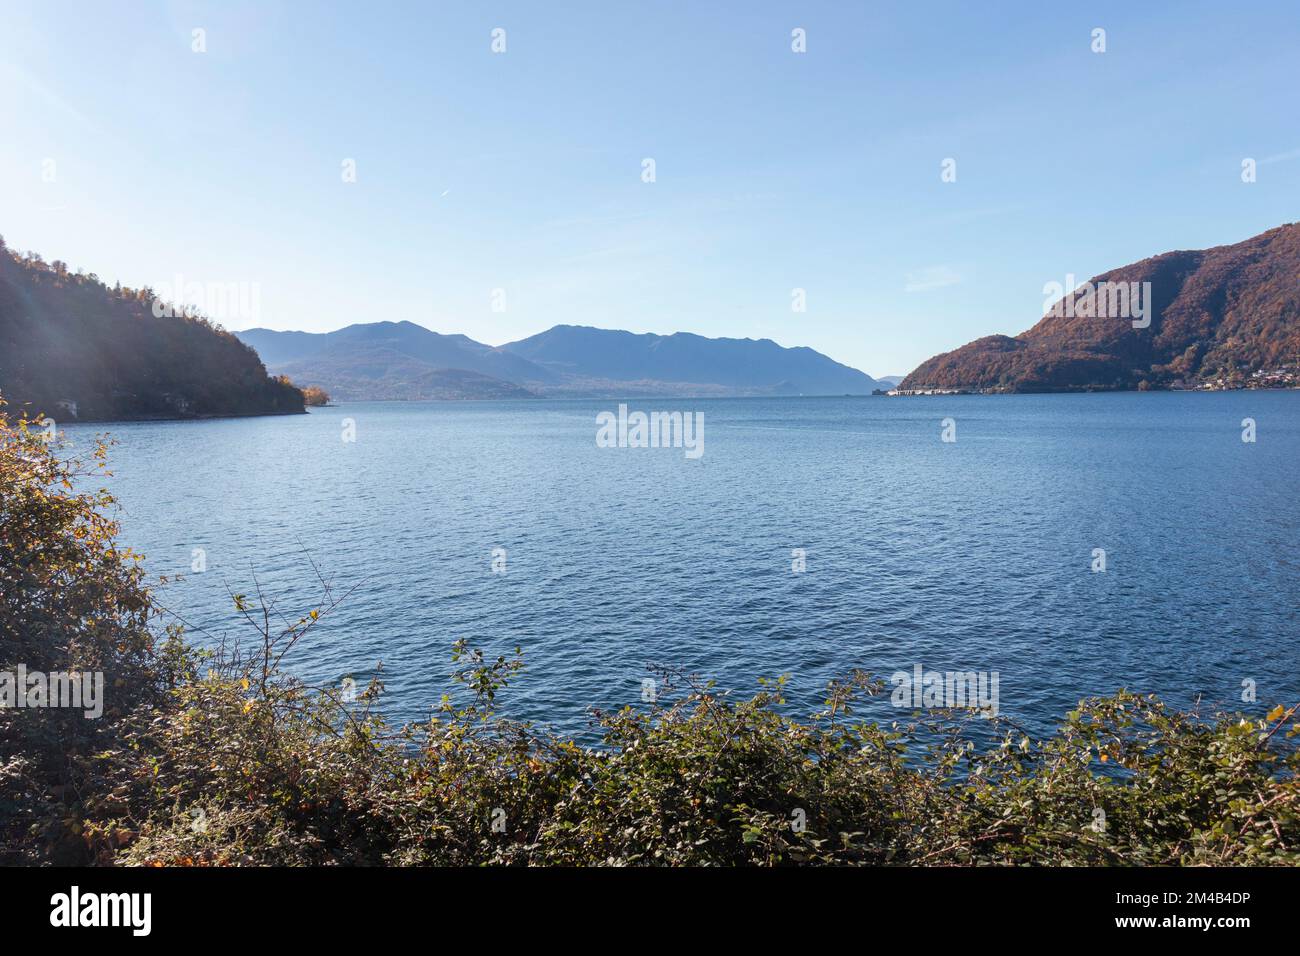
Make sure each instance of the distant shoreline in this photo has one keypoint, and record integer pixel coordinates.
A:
(941, 392)
(145, 419)
(640, 398)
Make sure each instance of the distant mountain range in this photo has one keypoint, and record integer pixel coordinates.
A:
(74, 349)
(393, 361)
(1221, 315)
(402, 360)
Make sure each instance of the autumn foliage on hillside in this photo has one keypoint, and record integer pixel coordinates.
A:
(68, 340)
(1216, 313)
(315, 396)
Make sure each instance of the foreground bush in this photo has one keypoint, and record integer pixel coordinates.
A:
(223, 758)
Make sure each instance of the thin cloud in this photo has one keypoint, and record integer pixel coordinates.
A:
(1280, 157)
(15, 74)
(931, 277)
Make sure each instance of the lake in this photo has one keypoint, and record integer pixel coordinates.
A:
(974, 554)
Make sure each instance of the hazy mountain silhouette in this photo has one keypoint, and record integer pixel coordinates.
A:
(437, 351)
(390, 359)
(588, 358)
(376, 373)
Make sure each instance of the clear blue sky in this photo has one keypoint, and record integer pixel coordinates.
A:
(522, 170)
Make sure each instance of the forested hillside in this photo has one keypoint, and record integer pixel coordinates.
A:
(1227, 315)
(75, 349)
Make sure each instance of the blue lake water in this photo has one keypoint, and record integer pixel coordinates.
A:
(973, 555)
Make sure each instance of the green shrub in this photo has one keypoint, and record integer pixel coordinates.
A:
(224, 758)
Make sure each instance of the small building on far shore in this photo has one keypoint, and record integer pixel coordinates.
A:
(929, 391)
